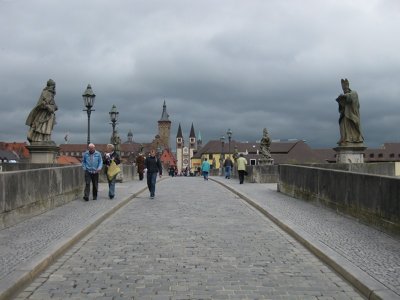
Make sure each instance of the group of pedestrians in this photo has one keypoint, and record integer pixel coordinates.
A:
(228, 165)
(92, 164)
(93, 161)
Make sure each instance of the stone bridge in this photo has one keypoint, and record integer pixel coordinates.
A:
(197, 239)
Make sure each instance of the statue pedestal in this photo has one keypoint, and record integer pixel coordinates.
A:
(43, 152)
(350, 154)
(265, 161)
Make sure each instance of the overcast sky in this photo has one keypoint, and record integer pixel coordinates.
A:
(220, 64)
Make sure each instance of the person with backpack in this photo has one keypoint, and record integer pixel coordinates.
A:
(153, 166)
(205, 168)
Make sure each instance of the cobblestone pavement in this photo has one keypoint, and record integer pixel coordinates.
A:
(195, 240)
(371, 250)
(21, 243)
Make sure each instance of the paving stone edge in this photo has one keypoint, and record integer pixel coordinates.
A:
(16, 281)
(362, 281)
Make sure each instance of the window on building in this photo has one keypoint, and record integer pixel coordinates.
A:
(371, 155)
(210, 156)
(392, 155)
(252, 162)
(380, 155)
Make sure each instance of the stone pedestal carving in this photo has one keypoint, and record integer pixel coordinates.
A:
(43, 152)
(350, 154)
(265, 161)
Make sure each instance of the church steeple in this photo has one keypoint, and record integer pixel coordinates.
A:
(192, 139)
(164, 127)
(179, 134)
(164, 115)
(192, 134)
(130, 136)
(199, 140)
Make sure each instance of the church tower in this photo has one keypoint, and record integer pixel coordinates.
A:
(164, 127)
(199, 141)
(130, 136)
(192, 142)
(179, 149)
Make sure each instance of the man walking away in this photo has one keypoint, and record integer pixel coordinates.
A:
(241, 166)
(228, 167)
(153, 166)
(205, 168)
(92, 163)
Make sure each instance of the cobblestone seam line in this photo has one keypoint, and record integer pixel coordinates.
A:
(15, 282)
(367, 285)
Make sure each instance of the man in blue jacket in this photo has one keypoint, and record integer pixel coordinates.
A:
(92, 163)
(153, 166)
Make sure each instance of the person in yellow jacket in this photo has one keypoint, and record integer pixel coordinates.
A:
(241, 167)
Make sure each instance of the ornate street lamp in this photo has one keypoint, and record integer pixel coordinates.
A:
(229, 134)
(159, 151)
(88, 101)
(222, 139)
(113, 117)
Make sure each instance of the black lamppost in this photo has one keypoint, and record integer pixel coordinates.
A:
(88, 101)
(229, 134)
(113, 117)
(222, 139)
(159, 151)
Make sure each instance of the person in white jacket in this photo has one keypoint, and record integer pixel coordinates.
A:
(241, 167)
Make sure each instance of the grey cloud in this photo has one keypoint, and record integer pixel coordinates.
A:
(238, 65)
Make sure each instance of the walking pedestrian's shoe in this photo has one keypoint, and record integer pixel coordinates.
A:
(111, 197)
(86, 198)
(95, 198)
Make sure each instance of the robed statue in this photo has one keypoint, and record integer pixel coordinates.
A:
(349, 120)
(265, 145)
(42, 117)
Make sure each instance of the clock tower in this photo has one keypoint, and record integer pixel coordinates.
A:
(164, 127)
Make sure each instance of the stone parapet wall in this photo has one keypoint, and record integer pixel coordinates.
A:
(382, 168)
(255, 174)
(27, 193)
(34, 190)
(373, 199)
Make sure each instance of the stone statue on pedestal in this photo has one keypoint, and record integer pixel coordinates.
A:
(42, 117)
(349, 120)
(265, 149)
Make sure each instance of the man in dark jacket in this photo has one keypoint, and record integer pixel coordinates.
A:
(153, 166)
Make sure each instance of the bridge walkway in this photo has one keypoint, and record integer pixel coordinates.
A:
(203, 232)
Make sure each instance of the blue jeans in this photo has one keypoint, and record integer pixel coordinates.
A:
(205, 175)
(111, 188)
(228, 172)
(151, 182)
